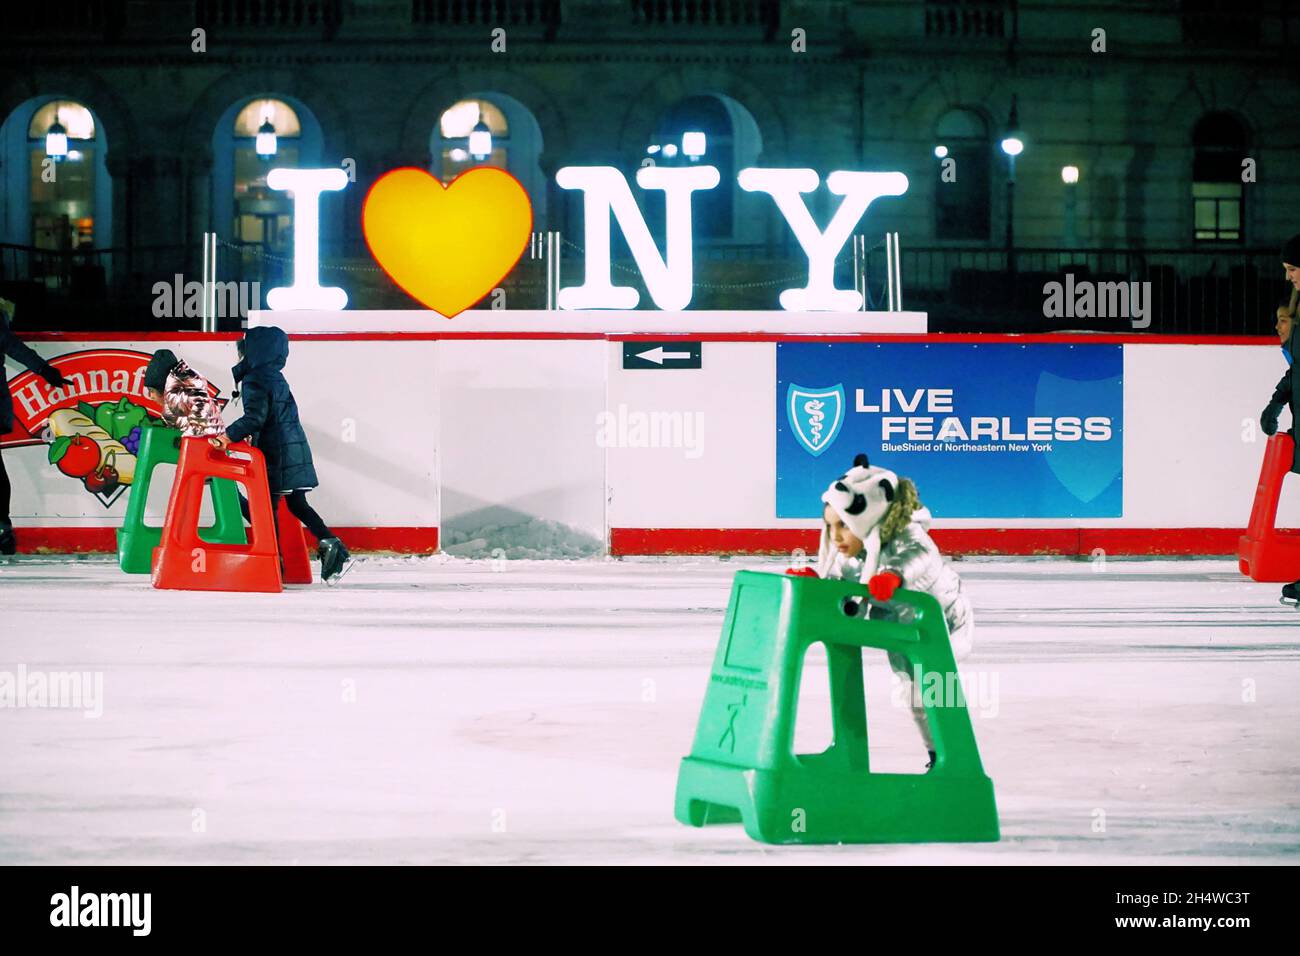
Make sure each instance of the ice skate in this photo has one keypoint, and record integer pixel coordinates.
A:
(1290, 595)
(335, 560)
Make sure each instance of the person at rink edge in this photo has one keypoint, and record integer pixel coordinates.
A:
(11, 346)
(876, 531)
(183, 394)
(1284, 395)
(270, 420)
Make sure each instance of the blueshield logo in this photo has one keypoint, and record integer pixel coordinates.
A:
(815, 415)
(1083, 469)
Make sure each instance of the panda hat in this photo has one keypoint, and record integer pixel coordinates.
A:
(861, 497)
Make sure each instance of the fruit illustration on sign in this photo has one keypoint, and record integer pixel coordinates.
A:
(118, 419)
(75, 455)
(92, 427)
(71, 423)
(104, 480)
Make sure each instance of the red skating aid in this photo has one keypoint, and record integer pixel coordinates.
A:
(185, 562)
(1265, 553)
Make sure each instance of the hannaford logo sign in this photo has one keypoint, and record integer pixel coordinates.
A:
(448, 246)
(93, 427)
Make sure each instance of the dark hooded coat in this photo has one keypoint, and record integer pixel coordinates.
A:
(1287, 391)
(270, 414)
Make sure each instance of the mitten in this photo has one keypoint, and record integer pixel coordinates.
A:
(882, 586)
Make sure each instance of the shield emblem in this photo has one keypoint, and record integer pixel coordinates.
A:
(1084, 469)
(815, 415)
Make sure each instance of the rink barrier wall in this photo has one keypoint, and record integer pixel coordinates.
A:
(83, 540)
(965, 541)
(1181, 498)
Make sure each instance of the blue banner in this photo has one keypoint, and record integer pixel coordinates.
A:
(984, 430)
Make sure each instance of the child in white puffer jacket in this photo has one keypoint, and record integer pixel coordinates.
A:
(875, 531)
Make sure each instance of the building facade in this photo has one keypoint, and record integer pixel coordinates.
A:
(1176, 118)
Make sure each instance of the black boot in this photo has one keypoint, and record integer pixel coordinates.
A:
(7, 543)
(333, 558)
(1290, 593)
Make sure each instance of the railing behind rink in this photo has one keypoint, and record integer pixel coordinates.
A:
(91, 288)
(1186, 291)
(979, 290)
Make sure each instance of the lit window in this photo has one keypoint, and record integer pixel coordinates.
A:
(74, 118)
(1218, 195)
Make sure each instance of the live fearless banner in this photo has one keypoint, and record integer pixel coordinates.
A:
(985, 430)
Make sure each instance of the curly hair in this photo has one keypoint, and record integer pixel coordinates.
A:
(906, 501)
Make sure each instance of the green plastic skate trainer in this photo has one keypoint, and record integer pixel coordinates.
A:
(135, 539)
(742, 767)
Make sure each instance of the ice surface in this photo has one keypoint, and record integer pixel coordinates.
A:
(446, 710)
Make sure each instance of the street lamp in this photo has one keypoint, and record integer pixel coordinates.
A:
(480, 141)
(693, 145)
(1070, 176)
(1013, 144)
(266, 144)
(56, 139)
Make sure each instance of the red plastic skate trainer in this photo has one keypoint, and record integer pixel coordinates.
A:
(186, 562)
(1264, 553)
(294, 558)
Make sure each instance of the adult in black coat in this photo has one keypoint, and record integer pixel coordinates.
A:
(270, 422)
(1288, 389)
(1286, 392)
(11, 346)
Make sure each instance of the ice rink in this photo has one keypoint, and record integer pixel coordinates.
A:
(442, 710)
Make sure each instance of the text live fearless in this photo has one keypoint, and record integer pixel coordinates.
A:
(940, 400)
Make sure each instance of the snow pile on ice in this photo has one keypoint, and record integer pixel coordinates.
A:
(533, 539)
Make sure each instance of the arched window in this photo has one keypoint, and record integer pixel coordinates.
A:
(689, 126)
(267, 135)
(1218, 194)
(962, 205)
(61, 151)
(457, 127)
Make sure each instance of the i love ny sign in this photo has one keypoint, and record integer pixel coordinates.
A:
(449, 245)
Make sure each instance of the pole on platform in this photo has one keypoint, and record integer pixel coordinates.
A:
(889, 274)
(859, 286)
(553, 270)
(898, 275)
(208, 321)
(212, 287)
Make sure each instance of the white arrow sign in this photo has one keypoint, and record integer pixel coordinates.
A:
(658, 355)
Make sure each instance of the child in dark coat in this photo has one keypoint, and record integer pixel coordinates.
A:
(270, 421)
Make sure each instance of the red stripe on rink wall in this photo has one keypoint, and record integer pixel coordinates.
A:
(1025, 338)
(669, 541)
(1063, 541)
(104, 540)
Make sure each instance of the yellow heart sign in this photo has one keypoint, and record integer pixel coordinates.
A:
(447, 246)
